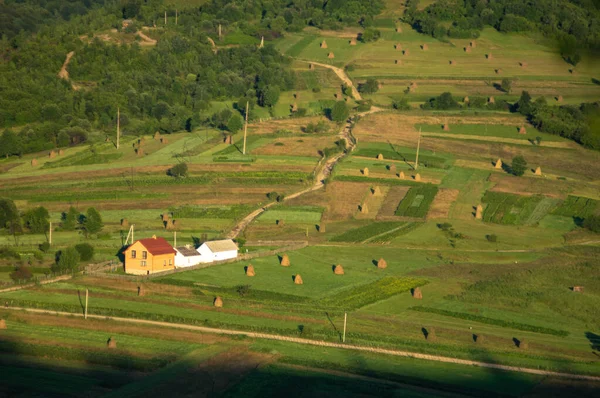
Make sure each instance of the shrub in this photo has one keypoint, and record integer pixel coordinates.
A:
(38, 255)
(44, 247)
(66, 259)
(179, 170)
(592, 223)
(401, 104)
(7, 252)
(21, 273)
(518, 166)
(491, 238)
(339, 112)
(242, 290)
(86, 251)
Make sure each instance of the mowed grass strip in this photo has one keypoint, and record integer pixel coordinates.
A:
(362, 295)
(417, 201)
(492, 321)
(368, 231)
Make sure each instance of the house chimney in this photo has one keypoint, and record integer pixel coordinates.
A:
(153, 236)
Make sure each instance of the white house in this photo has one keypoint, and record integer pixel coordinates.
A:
(186, 256)
(217, 250)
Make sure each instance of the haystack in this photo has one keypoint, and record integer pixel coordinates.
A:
(285, 261)
(250, 270)
(52, 154)
(331, 55)
(467, 49)
(124, 222)
(452, 62)
(164, 141)
(164, 216)
(157, 136)
(34, 162)
(323, 44)
(522, 344)
(577, 289)
(376, 191)
(559, 98)
(491, 100)
(364, 209)
(417, 177)
(365, 171)
(218, 302)
(538, 171)
(406, 52)
(311, 66)
(478, 338)
(417, 293)
(141, 292)
(61, 152)
(398, 29)
(322, 228)
(498, 71)
(430, 334)
(401, 175)
(424, 47)
(230, 139)
(489, 56)
(498, 164)
(294, 107)
(466, 100)
(298, 280)
(3, 322)
(522, 130)
(398, 62)
(393, 168)
(398, 47)
(523, 64)
(479, 212)
(472, 44)
(111, 343)
(353, 42)
(169, 224)
(296, 95)
(380, 157)
(413, 85)
(381, 264)
(139, 151)
(446, 127)
(281, 222)
(338, 270)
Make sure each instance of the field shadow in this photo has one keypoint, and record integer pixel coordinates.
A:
(81, 303)
(245, 270)
(375, 262)
(594, 340)
(595, 81)
(121, 253)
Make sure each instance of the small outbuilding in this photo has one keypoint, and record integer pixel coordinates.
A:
(187, 256)
(218, 250)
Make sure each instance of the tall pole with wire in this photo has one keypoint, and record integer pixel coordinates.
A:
(246, 128)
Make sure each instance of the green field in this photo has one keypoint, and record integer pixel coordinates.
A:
(417, 201)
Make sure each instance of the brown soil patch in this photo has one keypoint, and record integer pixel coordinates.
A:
(344, 197)
(295, 146)
(392, 200)
(64, 73)
(442, 203)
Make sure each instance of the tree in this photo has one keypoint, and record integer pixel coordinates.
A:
(8, 212)
(524, 105)
(371, 86)
(518, 166)
(506, 85)
(92, 222)
(66, 260)
(179, 170)
(269, 96)
(21, 273)
(339, 112)
(235, 123)
(369, 35)
(86, 251)
(37, 220)
(70, 219)
(10, 144)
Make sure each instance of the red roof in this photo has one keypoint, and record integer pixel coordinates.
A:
(157, 246)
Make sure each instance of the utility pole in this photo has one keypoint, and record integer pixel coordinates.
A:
(50, 233)
(118, 126)
(86, 304)
(345, 320)
(176, 16)
(220, 32)
(418, 147)
(246, 127)
(174, 238)
(165, 18)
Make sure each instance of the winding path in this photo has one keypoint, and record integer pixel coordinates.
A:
(64, 73)
(297, 340)
(343, 77)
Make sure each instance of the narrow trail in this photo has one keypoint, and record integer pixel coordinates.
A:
(147, 40)
(297, 340)
(321, 174)
(343, 77)
(64, 73)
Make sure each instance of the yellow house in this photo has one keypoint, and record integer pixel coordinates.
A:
(148, 256)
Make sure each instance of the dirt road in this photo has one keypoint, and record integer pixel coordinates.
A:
(407, 354)
(64, 73)
(343, 77)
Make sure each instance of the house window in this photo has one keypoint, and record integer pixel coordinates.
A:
(144, 254)
(170, 262)
(143, 263)
(133, 254)
(164, 263)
